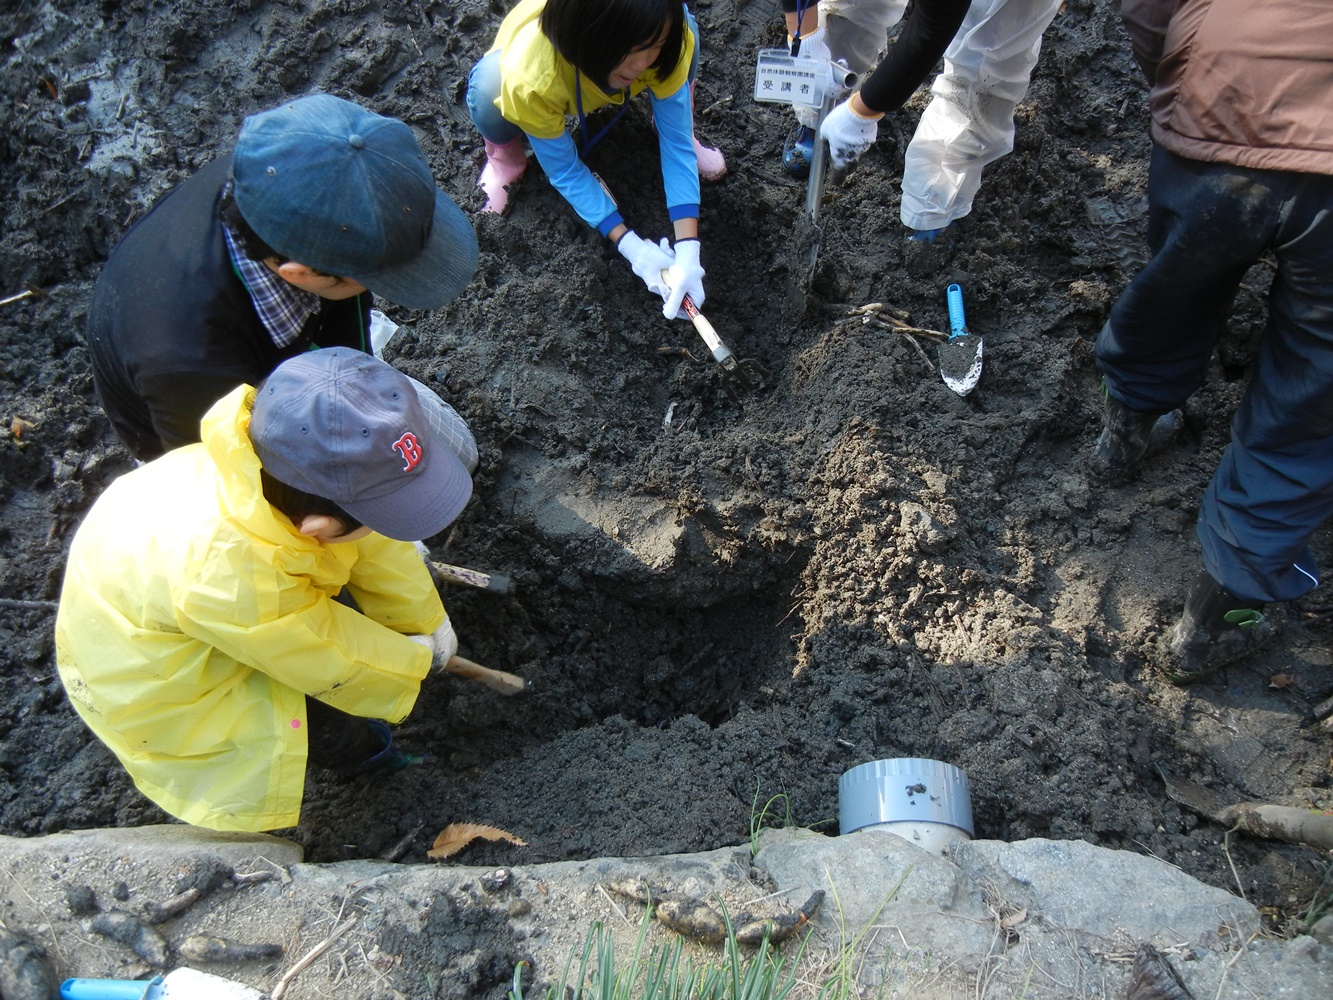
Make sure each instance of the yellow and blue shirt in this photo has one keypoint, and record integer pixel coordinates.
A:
(540, 89)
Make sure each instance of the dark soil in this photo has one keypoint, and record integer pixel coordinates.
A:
(851, 563)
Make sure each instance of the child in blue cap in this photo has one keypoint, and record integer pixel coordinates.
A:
(263, 254)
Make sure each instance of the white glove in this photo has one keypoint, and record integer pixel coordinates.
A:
(648, 260)
(848, 134)
(813, 46)
(442, 643)
(686, 277)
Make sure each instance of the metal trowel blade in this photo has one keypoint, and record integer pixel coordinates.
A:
(960, 363)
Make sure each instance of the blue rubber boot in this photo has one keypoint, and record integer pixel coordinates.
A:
(390, 758)
(931, 235)
(799, 151)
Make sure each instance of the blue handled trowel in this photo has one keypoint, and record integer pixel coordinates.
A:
(183, 984)
(960, 355)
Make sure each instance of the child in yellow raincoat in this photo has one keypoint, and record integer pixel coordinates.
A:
(198, 634)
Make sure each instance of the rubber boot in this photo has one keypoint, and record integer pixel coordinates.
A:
(1128, 436)
(712, 164)
(505, 165)
(798, 151)
(1216, 628)
(387, 760)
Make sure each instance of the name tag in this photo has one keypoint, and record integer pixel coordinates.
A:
(780, 78)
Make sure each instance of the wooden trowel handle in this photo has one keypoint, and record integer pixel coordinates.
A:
(721, 352)
(496, 680)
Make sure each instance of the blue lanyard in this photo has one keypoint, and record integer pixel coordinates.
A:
(583, 121)
(801, 7)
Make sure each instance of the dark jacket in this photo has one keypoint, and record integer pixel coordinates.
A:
(172, 329)
(1238, 81)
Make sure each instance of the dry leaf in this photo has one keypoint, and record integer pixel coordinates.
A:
(1014, 919)
(456, 836)
(18, 427)
(1280, 681)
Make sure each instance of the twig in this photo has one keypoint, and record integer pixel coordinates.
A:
(51, 923)
(715, 105)
(614, 906)
(904, 328)
(251, 878)
(1226, 970)
(313, 954)
(399, 849)
(922, 352)
(1226, 849)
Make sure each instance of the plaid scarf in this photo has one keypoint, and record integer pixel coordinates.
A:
(283, 308)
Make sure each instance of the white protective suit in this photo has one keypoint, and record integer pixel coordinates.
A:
(970, 121)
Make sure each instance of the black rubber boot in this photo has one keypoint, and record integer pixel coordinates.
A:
(1127, 435)
(1216, 628)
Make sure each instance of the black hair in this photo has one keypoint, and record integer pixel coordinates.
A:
(298, 504)
(596, 35)
(247, 240)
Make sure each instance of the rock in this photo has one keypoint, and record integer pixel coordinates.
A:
(129, 930)
(25, 973)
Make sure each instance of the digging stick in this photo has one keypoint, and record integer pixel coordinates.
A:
(448, 573)
(1262, 819)
(496, 680)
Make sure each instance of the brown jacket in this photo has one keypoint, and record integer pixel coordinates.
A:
(1245, 82)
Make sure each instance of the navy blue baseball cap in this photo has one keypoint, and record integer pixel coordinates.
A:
(345, 191)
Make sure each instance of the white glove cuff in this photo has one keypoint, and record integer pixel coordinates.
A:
(629, 244)
(425, 640)
(687, 252)
(446, 643)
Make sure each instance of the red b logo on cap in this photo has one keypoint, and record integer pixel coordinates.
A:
(408, 447)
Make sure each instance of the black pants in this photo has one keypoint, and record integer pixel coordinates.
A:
(1207, 223)
(338, 741)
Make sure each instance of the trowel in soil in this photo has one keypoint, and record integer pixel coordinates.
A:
(960, 355)
(747, 374)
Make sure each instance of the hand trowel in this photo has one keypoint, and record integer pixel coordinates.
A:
(182, 984)
(960, 355)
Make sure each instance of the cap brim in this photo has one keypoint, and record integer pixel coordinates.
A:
(429, 503)
(442, 269)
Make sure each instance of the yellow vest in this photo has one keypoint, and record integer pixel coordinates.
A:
(537, 85)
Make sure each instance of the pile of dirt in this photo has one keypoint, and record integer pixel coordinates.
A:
(717, 602)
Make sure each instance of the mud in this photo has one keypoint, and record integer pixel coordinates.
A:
(716, 602)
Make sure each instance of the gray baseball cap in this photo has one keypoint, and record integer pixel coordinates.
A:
(345, 426)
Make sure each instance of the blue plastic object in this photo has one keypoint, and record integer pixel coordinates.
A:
(957, 319)
(107, 989)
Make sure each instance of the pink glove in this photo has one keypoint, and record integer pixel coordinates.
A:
(686, 277)
(848, 134)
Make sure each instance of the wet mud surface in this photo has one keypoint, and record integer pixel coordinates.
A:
(715, 601)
